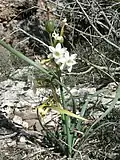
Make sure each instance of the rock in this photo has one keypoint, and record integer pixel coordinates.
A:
(25, 125)
(22, 74)
(17, 120)
(38, 126)
(97, 114)
(8, 110)
(22, 139)
(26, 114)
(7, 83)
(11, 143)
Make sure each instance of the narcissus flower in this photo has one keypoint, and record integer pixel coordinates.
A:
(61, 57)
(70, 61)
(57, 52)
(57, 37)
(67, 61)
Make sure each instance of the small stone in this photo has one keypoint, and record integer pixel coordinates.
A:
(24, 103)
(7, 104)
(11, 144)
(38, 126)
(106, 101)
(18, 105)
(17, 110)
(17, 120)
(74, 92)
(22, 139)
(25, 124)
(7, 83)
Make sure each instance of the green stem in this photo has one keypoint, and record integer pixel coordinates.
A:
(28, 60)
(65, 119)
(51, 42)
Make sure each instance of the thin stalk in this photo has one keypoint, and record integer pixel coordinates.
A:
(51, 42)
(66, 119)
(28, 60)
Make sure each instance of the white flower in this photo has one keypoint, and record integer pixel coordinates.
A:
(62, 57)
(57, 37)
(57, 52)
(70, 61)
(74, 91)
(67, 61)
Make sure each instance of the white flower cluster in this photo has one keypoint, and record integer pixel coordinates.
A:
(57, 37)
(62, 57)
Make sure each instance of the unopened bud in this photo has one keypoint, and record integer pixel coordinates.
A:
(60, 39)
(49, 25)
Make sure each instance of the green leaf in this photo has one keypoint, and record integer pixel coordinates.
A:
(64, 111)
(28, 60)
(59, 109)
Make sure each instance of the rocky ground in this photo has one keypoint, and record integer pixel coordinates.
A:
(21, 133)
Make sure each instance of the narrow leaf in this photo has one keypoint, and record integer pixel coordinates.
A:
(64, 111)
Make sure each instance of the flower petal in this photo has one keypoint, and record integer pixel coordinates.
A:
(62, 66)
(50, 56)
(63, 50)
(73, 56)
(66, 55)
(58, 46)
(69, 69)
(52, 49)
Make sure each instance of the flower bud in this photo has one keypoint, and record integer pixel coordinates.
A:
(49, 25)
(60, 39)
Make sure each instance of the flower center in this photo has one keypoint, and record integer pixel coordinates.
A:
(69, 61)
(57, 54)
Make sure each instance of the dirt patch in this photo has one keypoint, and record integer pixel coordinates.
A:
(26, 15)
